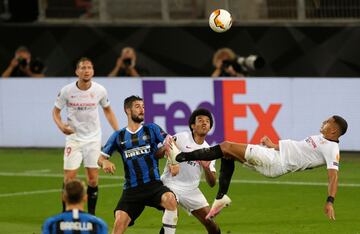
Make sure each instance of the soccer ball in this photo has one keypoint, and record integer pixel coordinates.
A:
(220, 20)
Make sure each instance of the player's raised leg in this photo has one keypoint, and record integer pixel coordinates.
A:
(218, 205)
(229, 150)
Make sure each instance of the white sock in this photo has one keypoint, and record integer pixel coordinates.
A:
(169, 220)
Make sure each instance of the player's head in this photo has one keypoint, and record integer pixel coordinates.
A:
(341, 124)
(200, 121)
(334, 127)
(84, 69)
(74, 192)
(134, 108)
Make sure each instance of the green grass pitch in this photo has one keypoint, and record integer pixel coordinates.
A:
(30, 182)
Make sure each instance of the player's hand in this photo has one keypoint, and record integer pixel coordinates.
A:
(266, 141)
(174, 169)
(329, 210)
(67, 130)
(108, 167)
(205, 164)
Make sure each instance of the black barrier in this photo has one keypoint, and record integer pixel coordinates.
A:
(187, 51)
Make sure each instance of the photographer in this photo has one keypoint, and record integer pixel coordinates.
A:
(126, 64)
(222, 63)
(228, 64)
(22, 65)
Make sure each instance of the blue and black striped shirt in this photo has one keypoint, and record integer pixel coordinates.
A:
(74, 222)
(137, 150)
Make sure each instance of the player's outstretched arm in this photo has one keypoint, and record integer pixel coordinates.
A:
(106, 165)
(332, 189)
(110, 116)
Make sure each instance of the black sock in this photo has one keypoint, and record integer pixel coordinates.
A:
(162, 231)
(226, 172)
(92, 193)
(205, 154)
(62, 199)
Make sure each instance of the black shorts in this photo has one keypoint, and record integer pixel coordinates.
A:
(134, 200)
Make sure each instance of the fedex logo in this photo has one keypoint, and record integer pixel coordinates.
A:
(223, 109)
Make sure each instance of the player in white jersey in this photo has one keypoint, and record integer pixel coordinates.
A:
(275, 160)
(82, 129)
(185, 184)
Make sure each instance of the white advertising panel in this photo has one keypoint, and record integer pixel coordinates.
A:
(244, 109)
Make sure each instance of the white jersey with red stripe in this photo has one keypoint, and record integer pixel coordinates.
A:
(190, 172)
(314, 151)
(82, 110)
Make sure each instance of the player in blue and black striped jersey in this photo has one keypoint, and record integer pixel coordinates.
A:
(138, 145)
(74, 220)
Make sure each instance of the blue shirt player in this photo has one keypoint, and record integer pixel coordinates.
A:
(137, 144)
(74, 220)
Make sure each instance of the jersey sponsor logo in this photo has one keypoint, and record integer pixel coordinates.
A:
(187, 147)
(310, 141)
(83, 96)
(82, 106)
(193, 163)
(75, 104)
(137, 151)
(76, 226)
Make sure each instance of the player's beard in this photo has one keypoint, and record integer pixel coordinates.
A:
(137, 118)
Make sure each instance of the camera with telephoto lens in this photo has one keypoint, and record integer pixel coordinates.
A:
(37, 66)
(22, 62)
(244, 64)
(127, 62)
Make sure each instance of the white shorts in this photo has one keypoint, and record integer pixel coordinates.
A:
(265, 160)
(190, 200)
(78, 151)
